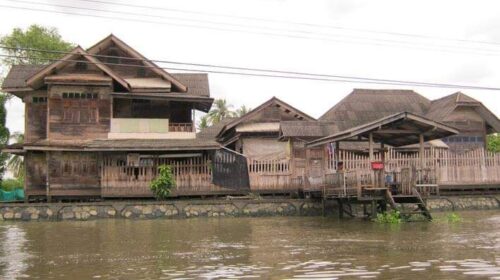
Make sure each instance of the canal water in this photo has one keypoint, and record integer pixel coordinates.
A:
(266, 248)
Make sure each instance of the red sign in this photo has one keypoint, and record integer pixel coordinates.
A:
(377, 165)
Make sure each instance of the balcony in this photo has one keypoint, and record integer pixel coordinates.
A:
(134, 128)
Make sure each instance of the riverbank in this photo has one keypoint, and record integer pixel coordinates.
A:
(148, 209)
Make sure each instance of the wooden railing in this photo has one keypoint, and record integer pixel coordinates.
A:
(192, 176)
(180, 127)
(474, 167)
(272, 175)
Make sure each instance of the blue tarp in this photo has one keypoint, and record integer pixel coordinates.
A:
(17, 194)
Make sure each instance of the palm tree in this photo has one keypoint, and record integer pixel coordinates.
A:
(16, 162)
(242, 110)
(203, 123)
(220, 111)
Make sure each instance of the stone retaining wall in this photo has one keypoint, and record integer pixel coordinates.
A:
(163, 209)
(208, 208)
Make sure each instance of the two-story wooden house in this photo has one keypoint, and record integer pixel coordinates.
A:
(99, 121)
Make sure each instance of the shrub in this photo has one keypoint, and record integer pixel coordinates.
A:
(390, 217)
(163, 183)
(11, 184)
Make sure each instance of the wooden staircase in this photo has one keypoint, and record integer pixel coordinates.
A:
(414, 198)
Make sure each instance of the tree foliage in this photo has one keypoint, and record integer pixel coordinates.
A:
(34, 37)
(16, 162)
(162, 185)
(4, 133)
(494, 143)
(220, 110)
(242, 110)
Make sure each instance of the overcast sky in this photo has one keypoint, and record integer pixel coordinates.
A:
(340, 52)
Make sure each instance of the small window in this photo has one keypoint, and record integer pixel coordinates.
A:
(71, 95)
(65, 95)
(94, 96)
(89, 95)
(39, 100)
(77, 95)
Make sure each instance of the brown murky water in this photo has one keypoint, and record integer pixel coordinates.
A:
(268, 248)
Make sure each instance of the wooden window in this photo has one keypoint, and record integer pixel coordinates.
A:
(39, 100)
(80, 108)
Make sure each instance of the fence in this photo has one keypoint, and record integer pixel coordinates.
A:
(473, 167)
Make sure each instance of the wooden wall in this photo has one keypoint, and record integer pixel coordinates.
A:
(74, 173)
(36, 173)
(272, 114)
(471, 126)
(35, 116)
(78, 126)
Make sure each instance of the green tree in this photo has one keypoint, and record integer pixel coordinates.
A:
(34, 37)
(242, 110)
(494, 143)
(220, 111)
(204, 122)
(16, 162)
(4, 133)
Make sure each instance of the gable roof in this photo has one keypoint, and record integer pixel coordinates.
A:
(112, 39)
(271, 102)
(442, 107)
(365, 105)
(210, 133)
(16, 78)
(37, 80)
(397, 130)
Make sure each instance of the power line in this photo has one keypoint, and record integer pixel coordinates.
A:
(292, 22)
(351, 80)
(303, 32)
(392, 43)
(295, 73)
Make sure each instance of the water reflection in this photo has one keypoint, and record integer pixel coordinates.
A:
(239, 248)
(13, 255)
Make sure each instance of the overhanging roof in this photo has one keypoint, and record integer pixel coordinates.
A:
(396, 130)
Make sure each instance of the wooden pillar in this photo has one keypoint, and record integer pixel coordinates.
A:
(47, 179)
(337, 154)
(421, 150)
(370, 146)
(382, 158)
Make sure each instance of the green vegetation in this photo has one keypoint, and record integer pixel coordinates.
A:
(4, 133)
(12, 184)
(16, 162)
(389, 217)
(494, 143)
(221, 110)
(453, 218)
(162, 185)
(34, 37)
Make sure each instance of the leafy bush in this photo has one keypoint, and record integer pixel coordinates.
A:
(163, 183)
(11, 184)
(494, 143)
(390, 217)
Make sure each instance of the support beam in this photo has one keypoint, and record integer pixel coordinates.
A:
(370, 146)
(421, 150)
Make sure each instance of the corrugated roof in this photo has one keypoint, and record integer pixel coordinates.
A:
(212, 131)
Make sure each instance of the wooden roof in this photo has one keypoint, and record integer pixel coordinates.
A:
(37, 80)
(366, 105)
(396, 130)
(122, 145)
(273, 102)
(112, 39)
(307, 129)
